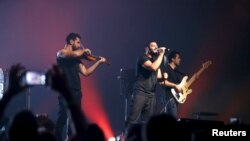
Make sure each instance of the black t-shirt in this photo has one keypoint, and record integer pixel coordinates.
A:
(146, 80)
(174, 76)
(71, 69)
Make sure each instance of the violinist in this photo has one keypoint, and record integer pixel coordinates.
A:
(69, 59)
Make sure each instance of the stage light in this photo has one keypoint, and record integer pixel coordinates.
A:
(112, 139)
(1, 83)
(234, 120)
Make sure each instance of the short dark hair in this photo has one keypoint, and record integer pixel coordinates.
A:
(172, 55)
(72, 36)
(148, 43)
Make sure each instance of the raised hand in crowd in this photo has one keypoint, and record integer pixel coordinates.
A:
(15, 86)
(16, 75)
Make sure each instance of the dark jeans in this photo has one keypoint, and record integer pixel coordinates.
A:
(63, 117)
(142, 107)
(170, 107)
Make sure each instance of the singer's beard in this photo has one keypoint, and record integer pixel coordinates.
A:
(76, 48)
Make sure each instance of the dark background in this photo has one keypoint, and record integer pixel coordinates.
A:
(31, 32)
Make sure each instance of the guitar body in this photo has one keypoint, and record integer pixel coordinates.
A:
(182, 95)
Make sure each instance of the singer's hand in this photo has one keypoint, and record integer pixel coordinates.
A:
(162, 50)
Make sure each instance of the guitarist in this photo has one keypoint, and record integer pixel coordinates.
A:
(171, 79)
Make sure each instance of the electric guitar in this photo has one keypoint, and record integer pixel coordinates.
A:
(181, 96)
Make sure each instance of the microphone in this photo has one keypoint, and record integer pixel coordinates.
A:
(166, 49)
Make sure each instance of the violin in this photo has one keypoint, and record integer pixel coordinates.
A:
(91, 57)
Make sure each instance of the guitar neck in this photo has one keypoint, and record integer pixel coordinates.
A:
(194, 77)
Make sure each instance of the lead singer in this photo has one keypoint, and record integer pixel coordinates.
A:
(69, 59)
(147, 69)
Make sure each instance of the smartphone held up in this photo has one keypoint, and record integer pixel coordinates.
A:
(32, 78)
